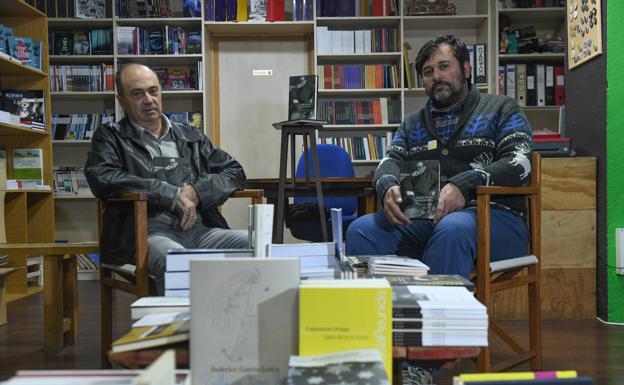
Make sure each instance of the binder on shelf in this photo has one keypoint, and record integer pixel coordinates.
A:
(540, 79)
(510, 76)
(521, 91)
(559, 86)
(481, 63)
(501, 81)
(471, 55)
(550, 86)
(531, 85)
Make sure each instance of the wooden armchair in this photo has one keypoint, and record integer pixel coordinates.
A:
(492, 278)
(136, 281)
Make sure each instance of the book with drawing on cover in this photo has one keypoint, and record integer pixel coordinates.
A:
(420, 188)
(302, 94)
(244, 321)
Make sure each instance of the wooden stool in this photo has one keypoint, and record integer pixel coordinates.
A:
(289, 131)
(60, 292)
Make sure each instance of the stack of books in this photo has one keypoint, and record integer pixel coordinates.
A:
(394, 265)
(158, 305)
(177, 273)
(437, 316)
(317, 260)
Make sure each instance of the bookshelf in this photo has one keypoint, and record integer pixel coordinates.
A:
(547, 21)
(29, 214)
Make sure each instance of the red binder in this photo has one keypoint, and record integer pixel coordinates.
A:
(559, 86)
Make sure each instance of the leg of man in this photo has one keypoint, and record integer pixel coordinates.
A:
(373, 234)
(453, 244)
(216, 238)
(158, 244)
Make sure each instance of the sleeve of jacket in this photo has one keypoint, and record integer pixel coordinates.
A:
(108, 176)
(387, 173)
(511, 164)
(224, 175)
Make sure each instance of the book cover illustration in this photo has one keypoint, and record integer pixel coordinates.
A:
(63, 43)
(362, 366)
(192, 8)
(21, 49)
(36, 54)
(257, 10)
(81, 43)
(178, 117)
(28, 105)
(5, 33)
(244, 320)
(177, 78)
(193, 43)
(28, 164)
(302, 97)
(420, 189)
(196, 119)
(90, 9)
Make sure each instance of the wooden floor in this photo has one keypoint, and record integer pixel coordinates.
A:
(588, 346)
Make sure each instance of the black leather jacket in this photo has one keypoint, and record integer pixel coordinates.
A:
(119, 162)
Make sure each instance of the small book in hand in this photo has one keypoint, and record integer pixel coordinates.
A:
(420, 189)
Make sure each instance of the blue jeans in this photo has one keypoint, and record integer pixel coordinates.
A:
(448, 247)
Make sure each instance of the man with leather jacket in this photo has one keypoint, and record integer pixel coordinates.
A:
(176, 165)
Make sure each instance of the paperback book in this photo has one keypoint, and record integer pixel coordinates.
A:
(244, 321)
(21, 48)
(28, 105)
(90, 9)
(302, 97)
(420, 188)
(28, 166)
(345, 367)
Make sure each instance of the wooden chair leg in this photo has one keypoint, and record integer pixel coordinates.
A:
(106, 318)
(535, 326)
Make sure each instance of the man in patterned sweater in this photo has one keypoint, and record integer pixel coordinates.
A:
(479, 140)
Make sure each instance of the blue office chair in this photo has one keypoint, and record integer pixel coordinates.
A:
(302, 217)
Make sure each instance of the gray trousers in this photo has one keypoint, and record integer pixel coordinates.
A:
(162, 238)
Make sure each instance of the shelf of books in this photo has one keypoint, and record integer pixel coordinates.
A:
(531, 62)
(25, 147)
(358, 63)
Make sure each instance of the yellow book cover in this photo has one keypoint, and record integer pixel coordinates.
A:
(241, 10)
(338, 315)
(151, 336)
(484, 377)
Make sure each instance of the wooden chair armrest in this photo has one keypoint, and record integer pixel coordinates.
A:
(129, 196)
(256, 195)
(248, 193)
(505, 190)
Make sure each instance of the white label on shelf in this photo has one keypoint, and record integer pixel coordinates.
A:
(262, 72)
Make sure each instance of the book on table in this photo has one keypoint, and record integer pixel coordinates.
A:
(244, 321)
(431, 280)
(153, 336)
(337, 315)
(156, 305)
(345, 367)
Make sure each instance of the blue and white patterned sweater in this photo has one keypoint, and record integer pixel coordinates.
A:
(491, 146)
